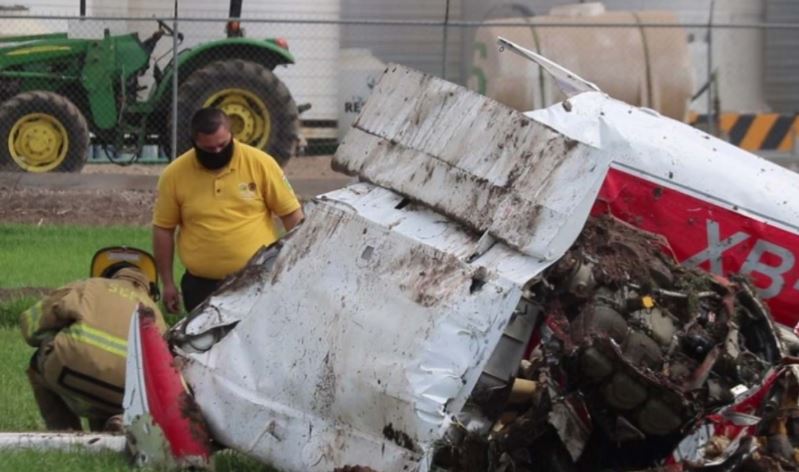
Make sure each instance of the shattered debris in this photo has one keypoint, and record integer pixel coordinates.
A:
(450, 318)
(635, 350)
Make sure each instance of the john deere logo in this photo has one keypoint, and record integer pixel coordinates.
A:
(37, 49)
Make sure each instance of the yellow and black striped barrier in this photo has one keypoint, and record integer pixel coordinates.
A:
(756, 131)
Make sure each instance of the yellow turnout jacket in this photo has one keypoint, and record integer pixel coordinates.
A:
(82, 329)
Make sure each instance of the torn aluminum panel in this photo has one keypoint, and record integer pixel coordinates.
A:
(161, 421)
(358, 337)
(148, 446)
(474, 160)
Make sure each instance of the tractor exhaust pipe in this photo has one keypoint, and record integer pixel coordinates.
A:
(233, 27)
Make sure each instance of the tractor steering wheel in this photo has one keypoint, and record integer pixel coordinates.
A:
(163, 26)
(167, 30)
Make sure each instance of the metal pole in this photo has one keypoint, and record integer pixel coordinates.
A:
(711, 119)
(433, 23)
(444, 44)
(174, 132)
(51, 441)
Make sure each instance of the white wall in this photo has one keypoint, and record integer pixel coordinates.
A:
(48, 7)
(13, 27)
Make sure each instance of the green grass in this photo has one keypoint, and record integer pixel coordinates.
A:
(18, 411)
(35, 461)
(49, 256)
(30, 461)
(10, 310)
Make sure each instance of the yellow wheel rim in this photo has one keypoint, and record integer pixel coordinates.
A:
(249, 116)
(38, 142)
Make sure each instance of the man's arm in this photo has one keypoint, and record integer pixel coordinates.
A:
(292, 219)
(52, 313)
(164, 250)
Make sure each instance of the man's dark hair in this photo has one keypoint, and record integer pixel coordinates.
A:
(208, 121)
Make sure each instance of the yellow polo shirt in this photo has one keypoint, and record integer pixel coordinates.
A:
(223, 217)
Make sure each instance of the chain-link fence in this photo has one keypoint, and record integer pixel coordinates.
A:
(293, 76)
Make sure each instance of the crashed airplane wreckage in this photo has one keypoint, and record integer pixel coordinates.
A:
(457, 309)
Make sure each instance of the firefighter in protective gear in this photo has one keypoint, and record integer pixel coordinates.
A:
(81, 333)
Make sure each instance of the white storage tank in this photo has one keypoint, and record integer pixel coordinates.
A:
(648, 67)
(359, 71)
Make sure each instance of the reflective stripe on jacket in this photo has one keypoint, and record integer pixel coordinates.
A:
(83, 328)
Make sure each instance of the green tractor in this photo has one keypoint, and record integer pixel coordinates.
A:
(56, 92)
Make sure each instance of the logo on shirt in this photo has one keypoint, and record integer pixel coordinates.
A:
(247, 190)
(286, 181)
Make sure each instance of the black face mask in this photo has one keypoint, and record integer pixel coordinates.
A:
(214, 160)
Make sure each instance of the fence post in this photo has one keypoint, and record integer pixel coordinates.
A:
(711, 118)
(444, 43)
(174, 131)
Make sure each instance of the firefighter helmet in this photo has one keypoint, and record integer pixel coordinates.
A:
(107, 261)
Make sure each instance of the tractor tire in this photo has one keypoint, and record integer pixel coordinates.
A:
(42, 132)
(262, 112)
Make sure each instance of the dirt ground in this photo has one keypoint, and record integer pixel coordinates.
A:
(34, 205)
(79, 207)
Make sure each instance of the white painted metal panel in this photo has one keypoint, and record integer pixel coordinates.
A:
(680, 157)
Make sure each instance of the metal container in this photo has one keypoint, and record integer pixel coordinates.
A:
(648, 67)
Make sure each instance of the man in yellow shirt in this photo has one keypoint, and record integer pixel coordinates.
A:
(221, 195)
